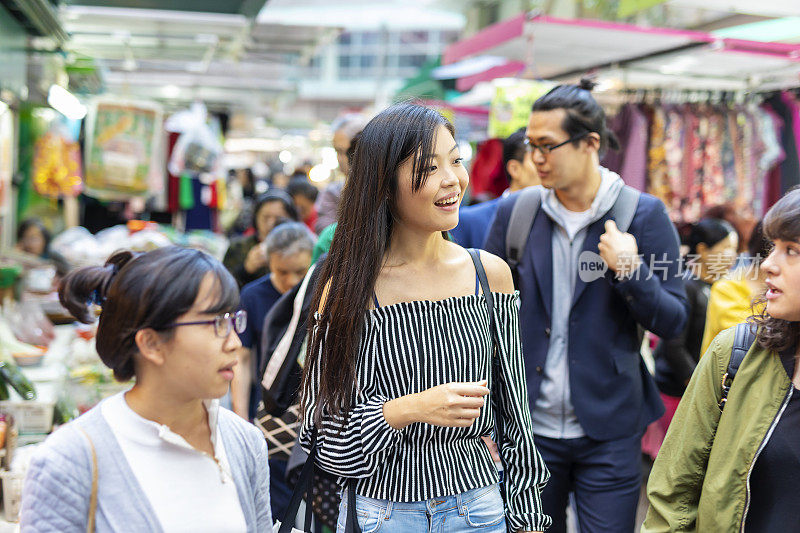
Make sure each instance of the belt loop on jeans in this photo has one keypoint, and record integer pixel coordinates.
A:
(462, 509)
(389, 504)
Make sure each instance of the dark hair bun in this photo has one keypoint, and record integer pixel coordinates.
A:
(587, 84)
(85, 286)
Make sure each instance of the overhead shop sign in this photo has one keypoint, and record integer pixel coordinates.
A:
(122, 148)
(512, 103)
(630, 7)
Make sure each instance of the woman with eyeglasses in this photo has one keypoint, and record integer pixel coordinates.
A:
(161, 456)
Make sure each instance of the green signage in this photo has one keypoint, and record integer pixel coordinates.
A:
(629, 7)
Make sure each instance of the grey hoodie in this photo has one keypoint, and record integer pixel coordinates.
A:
(553, 416)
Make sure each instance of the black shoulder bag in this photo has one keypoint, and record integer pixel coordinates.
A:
(497, 375)
(305, 485)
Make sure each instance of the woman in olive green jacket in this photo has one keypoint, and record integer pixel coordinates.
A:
(734, 470)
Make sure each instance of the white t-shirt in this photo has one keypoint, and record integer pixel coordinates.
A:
(188, 490)
(574, 221)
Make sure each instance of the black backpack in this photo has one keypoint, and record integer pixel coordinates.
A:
(283, 337)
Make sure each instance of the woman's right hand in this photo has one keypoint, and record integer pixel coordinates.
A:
(448, 405)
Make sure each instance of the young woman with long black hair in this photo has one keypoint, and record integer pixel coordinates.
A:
(400, 358)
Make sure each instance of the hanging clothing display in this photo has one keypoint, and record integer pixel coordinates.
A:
(697, 155)
(630, 161)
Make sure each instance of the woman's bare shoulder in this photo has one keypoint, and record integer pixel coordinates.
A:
(497, 272)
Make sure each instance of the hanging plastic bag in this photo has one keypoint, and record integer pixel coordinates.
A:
(198, 149)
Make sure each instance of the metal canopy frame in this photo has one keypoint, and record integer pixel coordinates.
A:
(178, 56)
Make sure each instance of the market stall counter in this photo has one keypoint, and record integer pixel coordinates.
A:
(68, 380)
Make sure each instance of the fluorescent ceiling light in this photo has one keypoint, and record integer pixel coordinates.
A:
(171, 91)
(154, 15)
(65, 103)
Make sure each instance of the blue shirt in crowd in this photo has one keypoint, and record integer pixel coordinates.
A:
(257, 298)
(474, 222)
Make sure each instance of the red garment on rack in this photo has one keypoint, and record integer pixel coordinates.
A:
(173, 181)
(488, 175)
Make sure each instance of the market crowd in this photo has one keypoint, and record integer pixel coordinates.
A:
(420, 364)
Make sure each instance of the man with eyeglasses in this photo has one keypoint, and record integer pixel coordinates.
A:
(586, 288)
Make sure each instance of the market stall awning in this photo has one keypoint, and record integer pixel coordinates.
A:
(627, 55)
(556, 47)
(725, 65)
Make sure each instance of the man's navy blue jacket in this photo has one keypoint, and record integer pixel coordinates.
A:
(473, 223)
(613, 394)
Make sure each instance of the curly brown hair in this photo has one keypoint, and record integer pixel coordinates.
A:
(782, 222)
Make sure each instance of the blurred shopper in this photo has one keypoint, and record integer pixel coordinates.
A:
(162, 456)
(401, 353)
(712, 246)
(304, 194)
(590, 393)
(240, 198)
(323, 242)
(733, 465)
(289, 248)
(246, 258)
(33, 238)
(474, 221)
(344, 129)
(731, 299)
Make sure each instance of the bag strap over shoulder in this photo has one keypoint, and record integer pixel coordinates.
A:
(743, 340)
(90, 520)
(488, 298)
(487, 293)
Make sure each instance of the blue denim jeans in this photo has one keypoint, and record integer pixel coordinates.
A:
(475, 510)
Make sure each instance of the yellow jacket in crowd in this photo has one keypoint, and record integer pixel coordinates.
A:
(729, 304)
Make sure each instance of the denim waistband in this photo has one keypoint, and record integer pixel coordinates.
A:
(434, 505)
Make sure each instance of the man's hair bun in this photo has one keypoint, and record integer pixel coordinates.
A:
(587, 84)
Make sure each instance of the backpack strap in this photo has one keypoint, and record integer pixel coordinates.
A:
(527, 206)
(278, 357)
(743, 339)
(625, 207)
(520, 223)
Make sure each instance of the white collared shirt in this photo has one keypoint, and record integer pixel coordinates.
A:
(188, 489)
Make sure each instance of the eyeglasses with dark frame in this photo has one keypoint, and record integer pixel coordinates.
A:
(547, 148)
(222, 323)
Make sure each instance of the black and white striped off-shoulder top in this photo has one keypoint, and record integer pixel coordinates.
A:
(409, 347)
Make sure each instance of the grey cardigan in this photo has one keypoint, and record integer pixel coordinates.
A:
(58, 484)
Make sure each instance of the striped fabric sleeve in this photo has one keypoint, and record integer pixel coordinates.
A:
(525, 470)
(354, 448)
